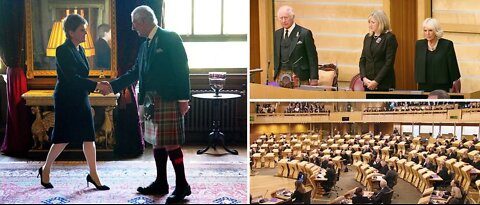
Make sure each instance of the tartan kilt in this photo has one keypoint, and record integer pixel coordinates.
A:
(166, 126)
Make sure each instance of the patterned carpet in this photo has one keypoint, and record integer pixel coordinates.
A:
(211, 183)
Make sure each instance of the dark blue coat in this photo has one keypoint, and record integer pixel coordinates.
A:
(73, 116)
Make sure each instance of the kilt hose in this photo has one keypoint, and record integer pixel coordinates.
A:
(166, 125)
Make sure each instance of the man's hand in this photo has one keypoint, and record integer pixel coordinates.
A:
(314, 82)
(183, 107)
(141, 112)
(104, 87)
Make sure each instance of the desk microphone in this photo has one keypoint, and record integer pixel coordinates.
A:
(268, 66)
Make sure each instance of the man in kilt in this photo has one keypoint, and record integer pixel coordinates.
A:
(162, 72)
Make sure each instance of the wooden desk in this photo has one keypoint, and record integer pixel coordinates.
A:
(44, 98)
(260, 91)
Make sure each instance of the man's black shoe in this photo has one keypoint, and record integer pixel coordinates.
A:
(154, 189)
(179, 194)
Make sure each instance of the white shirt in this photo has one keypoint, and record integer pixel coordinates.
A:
(289, 30)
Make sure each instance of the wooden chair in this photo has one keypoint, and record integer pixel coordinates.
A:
(328, 76)
(356, 83)
(282, 169)
(401, 168)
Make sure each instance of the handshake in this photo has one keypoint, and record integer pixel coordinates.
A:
(104, 88)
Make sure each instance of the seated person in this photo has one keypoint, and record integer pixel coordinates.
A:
(325, 162)
(380, 197)
(330, 176)
(476, 162)
(455, 194)
(442, 172)
(415, 159)
(470, 147)
(429, 165)
(451, 154)
(377, 163)
(383, 167)
(438, 94)
(298, 196)
(466, 159)
(346, 159)
(358, 197)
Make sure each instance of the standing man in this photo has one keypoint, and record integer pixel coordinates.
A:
(162, 72)
(295, 51)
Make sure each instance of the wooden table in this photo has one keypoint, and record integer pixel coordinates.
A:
(38, 99)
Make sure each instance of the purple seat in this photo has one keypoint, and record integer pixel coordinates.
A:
(456, 87)
(356, 84)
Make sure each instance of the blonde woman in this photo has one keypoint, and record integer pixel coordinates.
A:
(378, 54)
(436, 65)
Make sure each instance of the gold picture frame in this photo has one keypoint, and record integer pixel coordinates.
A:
(33, 73)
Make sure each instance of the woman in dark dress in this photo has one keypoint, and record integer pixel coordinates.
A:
(73, 116)
(378, 54)
(436, 65)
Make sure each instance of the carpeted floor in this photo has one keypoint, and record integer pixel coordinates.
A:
(211, 182)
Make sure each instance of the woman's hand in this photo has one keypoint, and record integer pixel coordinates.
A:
(373, 85)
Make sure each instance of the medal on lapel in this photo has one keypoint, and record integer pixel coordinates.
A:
(298, 34)
(378, 40)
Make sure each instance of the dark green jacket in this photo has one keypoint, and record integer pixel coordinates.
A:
(166, 72)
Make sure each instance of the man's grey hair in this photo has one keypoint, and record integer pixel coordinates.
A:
(144, 13)
(441, 94)
(289, 10)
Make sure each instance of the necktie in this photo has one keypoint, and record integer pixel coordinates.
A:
(286, 34)
(148, 43)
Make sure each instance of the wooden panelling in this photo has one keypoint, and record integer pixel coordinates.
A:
(338, 27)
(463, 5)
(402, 17)
(461, 22)
(254, 38)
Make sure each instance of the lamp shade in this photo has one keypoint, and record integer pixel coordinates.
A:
(57, 38)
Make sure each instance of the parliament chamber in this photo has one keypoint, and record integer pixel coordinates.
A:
(387, 152)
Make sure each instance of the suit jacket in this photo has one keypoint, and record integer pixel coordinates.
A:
(452, 155)
(444, 174)
(377, 60)
(444, 62)
(166, 71)
(330, 176)
(303, 53)
(430, 166)
(380, 196)
(390, 177)
(361, 200)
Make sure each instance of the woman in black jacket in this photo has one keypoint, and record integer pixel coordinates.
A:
(436, 65)
(378, 54)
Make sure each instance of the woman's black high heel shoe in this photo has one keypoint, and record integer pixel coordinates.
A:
(46, 185)
(103, 187)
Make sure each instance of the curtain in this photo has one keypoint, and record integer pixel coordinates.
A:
(128, 133)
(17, 140)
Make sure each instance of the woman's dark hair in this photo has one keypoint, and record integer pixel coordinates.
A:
(72, 22)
